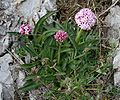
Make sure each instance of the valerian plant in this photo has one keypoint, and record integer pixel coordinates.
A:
(64, 56)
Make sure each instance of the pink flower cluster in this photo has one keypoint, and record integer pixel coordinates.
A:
(85, 19)
(61, 36)
(25, 28)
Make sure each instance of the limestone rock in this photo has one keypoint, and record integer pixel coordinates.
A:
(18, 1)
(0, 91)
(2, 29)
(6, 78)
(5, 4)
(8, 93)
(4, 43)
(34, 11)
(29, 7)
(113, 22)
(5, 75)
(21, 76)
(116, 66)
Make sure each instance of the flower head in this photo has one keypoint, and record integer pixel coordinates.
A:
(85, 19)
(61, 36)
(25, 29)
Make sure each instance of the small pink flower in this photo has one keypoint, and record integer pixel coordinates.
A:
(85, 19)
(25, 29)
(61, 36)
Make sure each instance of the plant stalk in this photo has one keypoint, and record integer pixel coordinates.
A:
(59, 50)
(77, 39)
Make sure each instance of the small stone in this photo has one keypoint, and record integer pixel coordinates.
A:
(4, 43)
(2, 30)
(50, 5)
(21, 76)
(18, 1)
(5, 4)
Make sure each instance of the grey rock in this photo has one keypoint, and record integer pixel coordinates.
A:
(5, 75)
(20, 79)
(113, 22)
(7, 93)
(50, 5)
(4, 4)
(0, 4)
(4, 43)
(29, 7)
(2, 29)
(1, 92)
(6, 78)
(116, 66)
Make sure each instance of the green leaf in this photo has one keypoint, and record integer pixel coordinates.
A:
(48, 33)
(30, 65)
(39, 24)
(52, 30)
(79, 56)
(59, 26)
(66, 50)
(60, 73)
(29, 77)
(73, 43)
(13, 33)
(30, 50)
(30, 86)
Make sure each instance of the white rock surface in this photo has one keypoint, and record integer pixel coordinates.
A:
(4, 43)
(113, 22)
(29, 7)
(116, 66)
(5, 76)
(0, 91)
(21, 76)
(33, 9)
(2, 30)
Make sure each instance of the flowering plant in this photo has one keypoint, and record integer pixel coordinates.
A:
(64, 56)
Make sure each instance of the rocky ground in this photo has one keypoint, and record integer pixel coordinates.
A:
(10, 12)
(11, 77)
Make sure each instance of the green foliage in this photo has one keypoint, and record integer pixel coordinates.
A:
(40, 23)
(75, 76)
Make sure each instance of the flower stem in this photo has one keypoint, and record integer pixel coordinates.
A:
(77, 39)
(59, 50)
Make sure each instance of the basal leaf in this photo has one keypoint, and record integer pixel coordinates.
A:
(39, 24)
(49, 33)
(30, 87)
(30, 50)
(29, 77)
(30, 65)
(13, 33)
